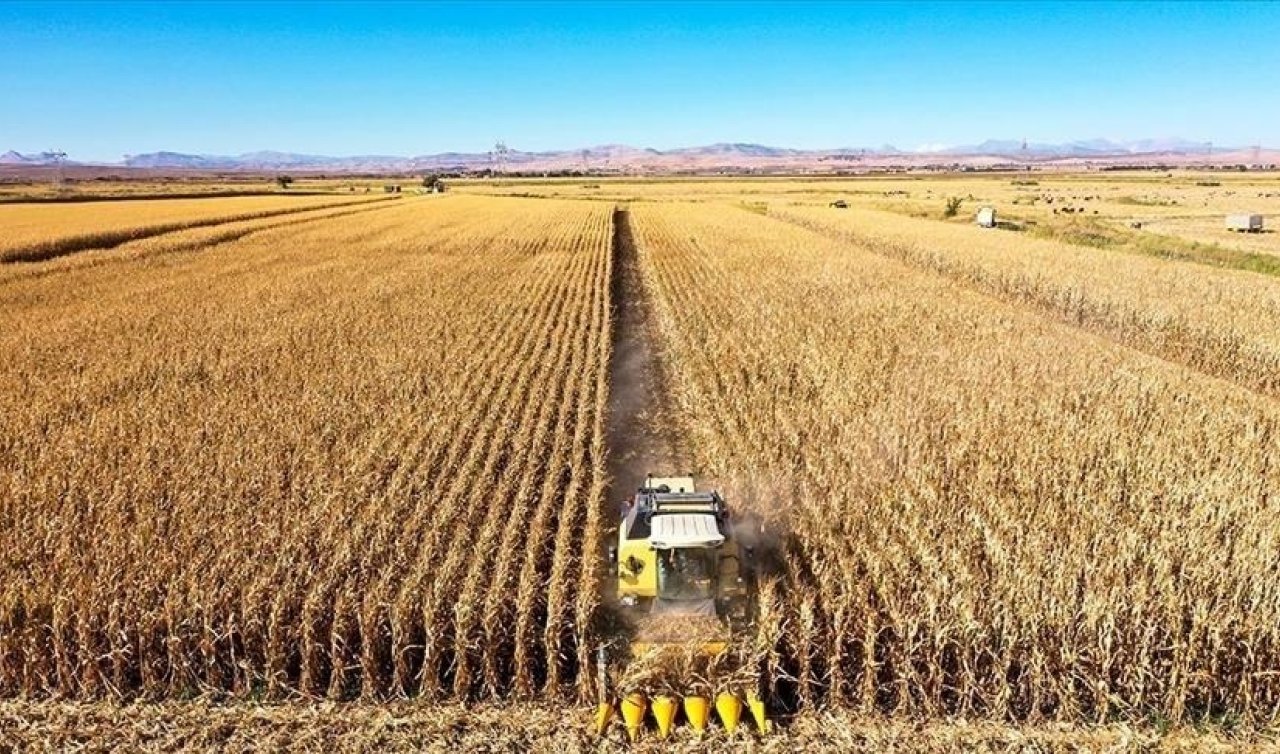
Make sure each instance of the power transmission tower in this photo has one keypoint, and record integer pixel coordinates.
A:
(58, 157)
(500, 151)
(586, 161)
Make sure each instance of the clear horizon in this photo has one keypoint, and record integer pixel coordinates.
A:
(103, 80)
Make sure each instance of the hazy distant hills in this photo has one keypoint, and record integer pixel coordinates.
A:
(1085, 148)
(13, 158)
(723, 156)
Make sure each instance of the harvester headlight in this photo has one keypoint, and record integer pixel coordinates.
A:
(628, 600)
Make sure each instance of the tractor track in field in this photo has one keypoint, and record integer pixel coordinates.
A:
(643, 435)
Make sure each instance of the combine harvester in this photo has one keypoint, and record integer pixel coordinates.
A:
(686, 587)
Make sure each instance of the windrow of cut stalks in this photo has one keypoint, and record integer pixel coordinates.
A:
(355, 457)
(980, 510)
(1222, 322)
(38, 232)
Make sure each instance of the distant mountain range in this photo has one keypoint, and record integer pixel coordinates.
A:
(1085, 148)
(615, 157)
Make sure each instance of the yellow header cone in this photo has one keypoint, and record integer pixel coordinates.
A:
(604, 713)
(756, 705)
(696, 710)
(633, 707)
(664, 712)
(729, 707)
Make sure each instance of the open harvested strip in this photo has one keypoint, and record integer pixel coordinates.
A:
(982, 511)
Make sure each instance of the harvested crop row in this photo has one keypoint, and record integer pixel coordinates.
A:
(981, 511)
(313, 460)
(36, 232)
(1221, 322)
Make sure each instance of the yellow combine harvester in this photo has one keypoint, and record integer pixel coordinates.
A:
(685, 581)
(677, 555)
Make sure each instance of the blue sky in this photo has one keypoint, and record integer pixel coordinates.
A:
(100, 80)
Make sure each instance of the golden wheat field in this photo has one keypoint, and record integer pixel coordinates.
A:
(324, 472)
(43, 231)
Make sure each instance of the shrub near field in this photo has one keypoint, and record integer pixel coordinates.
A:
(985, 512)
(352, 457)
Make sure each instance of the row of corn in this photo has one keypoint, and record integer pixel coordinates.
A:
(665, 707)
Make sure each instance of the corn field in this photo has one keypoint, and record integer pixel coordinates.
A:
(356, 452)
(339, 459)
(1221, 322)
(986, 512)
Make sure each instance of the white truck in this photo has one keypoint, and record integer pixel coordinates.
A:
(1244, 223)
